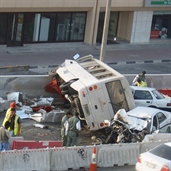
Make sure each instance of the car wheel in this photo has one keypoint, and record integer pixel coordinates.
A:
(65, 92)
(64, 86)
(52, 72)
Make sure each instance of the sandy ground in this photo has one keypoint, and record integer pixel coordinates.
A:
(30, 132)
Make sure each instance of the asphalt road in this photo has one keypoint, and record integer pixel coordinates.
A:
(150, 68)
(115, 168)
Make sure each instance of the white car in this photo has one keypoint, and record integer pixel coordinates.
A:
(156, 118)
(150, 97)
(163, 134)
(156, 159)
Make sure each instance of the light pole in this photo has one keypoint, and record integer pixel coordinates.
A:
(105, 31)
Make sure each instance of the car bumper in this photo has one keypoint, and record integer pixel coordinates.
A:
(141, 167)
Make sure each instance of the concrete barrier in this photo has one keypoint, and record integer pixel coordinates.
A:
(64, 158)
(117, 155)
(33, 85)
(29, 160)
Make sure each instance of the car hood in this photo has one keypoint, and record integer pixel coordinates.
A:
(133, 122)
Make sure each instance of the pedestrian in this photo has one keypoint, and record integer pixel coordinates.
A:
(15, 123)
(73, 127)
(64, 120)
(142, 78)
(4, 136)
(12, 105)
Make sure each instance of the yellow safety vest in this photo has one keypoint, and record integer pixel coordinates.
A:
(16, 125)
(7, 115)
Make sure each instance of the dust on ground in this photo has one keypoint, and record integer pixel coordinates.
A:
(52, 131)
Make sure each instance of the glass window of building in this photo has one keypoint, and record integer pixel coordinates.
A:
(63, 26)
(31, 27)
(3, 27)
(161, 27)
(70, 26)
(47, 27)
(112, 30)
(77, 26)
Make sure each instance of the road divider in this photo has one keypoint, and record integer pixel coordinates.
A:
(33, 85)
(70, 158)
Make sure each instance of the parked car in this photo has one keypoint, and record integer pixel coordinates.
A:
(150, 97)
(156, 118)
(156, 159)
(163, 134)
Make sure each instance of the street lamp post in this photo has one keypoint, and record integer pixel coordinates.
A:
(105, 31)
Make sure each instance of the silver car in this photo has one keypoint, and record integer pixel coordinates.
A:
(156, 118)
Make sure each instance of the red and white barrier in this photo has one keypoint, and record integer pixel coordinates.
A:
(25, 144)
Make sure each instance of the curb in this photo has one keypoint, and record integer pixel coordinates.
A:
(138, 62)
(110, 63)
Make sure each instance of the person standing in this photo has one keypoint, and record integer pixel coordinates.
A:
(7, 115)
(15, 123)
(4, 136)
(142, 78)
(138, 83)
(73, 126)
(63, 125)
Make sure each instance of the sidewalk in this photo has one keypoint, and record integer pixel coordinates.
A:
(53, 54)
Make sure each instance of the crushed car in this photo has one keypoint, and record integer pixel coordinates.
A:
(92, 88)
(134, 125)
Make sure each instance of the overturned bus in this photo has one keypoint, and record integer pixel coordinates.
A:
(94, 90)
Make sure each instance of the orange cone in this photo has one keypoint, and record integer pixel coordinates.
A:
(93, 166)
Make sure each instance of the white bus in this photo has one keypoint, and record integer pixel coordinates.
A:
(94, 89)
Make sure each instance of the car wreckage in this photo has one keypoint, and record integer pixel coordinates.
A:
(133, 126)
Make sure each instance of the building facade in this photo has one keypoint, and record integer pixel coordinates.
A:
(43, 21)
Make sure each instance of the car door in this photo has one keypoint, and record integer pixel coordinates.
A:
(154, 124)
(165, 129)
(143, 98)
(162, 119)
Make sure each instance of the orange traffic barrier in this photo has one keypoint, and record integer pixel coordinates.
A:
(93, 165)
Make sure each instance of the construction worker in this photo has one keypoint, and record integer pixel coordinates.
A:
(4, 136)
(138, 83)
(142, 78)
(63, 124)
(73, 126)
(12, 105)
(15, 123)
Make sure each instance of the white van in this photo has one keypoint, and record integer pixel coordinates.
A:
(94, 89)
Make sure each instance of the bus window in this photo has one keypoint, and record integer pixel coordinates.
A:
(117, 96)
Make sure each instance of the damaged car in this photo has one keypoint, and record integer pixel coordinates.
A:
(132, 126)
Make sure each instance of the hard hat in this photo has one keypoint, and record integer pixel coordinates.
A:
(12, 105)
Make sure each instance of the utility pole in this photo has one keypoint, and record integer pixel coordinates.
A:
(105, 31)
